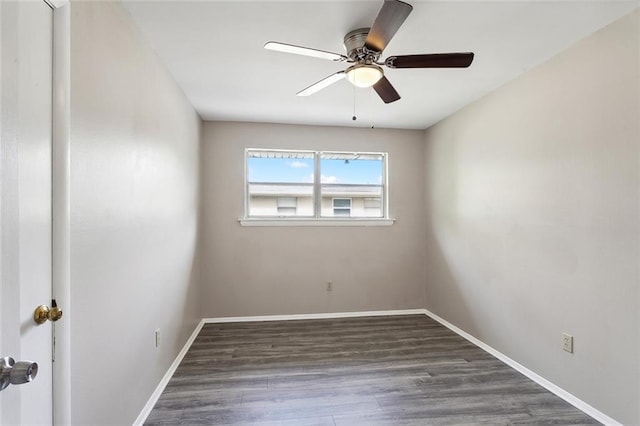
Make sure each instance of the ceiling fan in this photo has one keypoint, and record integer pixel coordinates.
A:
(364, 47)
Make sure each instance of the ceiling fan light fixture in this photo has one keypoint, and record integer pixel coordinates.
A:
(364, 75)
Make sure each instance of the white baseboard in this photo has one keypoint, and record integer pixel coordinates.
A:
(571, 399)
(568, 397)
(315, 316)
(142, 417)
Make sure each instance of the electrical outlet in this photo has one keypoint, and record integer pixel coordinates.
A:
(157, 337)
(567, 343)
(329, 286)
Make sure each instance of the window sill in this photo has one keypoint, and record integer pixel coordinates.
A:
(315, 222)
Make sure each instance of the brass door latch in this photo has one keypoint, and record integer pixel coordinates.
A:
(44, 313)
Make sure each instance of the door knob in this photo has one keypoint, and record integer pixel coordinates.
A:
(44, 313)
(16, 373)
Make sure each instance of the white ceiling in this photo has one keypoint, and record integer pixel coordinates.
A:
(215, 52)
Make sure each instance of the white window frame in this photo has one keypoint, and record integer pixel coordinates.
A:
(318, 219)
(334, 208)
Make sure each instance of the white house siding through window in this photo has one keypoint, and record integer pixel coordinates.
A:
(285, 183)
(287, 206)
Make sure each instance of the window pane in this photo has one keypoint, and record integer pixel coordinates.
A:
(342, 207)
(342, 202)
(280, 166)
(287, 206)
(287, 202)
(280, 183)
(286, 211)
(354, 177)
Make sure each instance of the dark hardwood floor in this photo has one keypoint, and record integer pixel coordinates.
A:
(400, 370)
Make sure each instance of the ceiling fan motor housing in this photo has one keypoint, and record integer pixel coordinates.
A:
(356, 51)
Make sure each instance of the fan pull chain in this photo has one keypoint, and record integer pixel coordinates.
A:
(354, 118)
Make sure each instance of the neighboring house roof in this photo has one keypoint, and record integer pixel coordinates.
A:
(306, 190)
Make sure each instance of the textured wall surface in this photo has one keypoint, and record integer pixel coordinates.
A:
(284, 270)
(134, 216)
(533, 219)
(517, 219)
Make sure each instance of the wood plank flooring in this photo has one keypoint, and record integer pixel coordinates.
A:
(399, 370)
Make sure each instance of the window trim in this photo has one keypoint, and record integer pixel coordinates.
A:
(318, 219)
(283, 221)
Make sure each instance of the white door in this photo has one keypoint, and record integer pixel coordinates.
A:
(25, 204)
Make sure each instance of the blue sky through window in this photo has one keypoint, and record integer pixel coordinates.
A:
(351, 171)
(283, 170)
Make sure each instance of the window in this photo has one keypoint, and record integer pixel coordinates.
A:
(342, 207)
(279, 183)
(287, 206)
(353, 177)
(315, 184)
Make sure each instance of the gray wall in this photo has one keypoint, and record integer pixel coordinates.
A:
(533, 219)
(284, 270)
(134, 216)
(525, 225)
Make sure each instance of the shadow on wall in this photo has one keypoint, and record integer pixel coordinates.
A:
(442, 236)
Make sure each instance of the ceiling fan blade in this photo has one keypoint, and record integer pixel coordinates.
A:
(325, 82)
(306, 51)
(435, 60)
(388, 21)
(386, 91)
